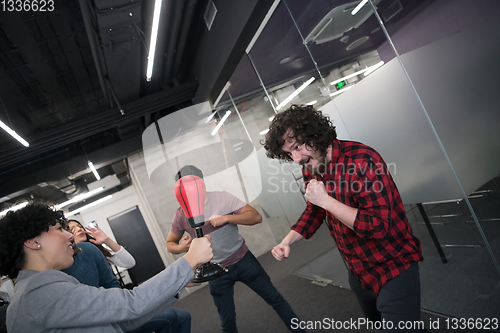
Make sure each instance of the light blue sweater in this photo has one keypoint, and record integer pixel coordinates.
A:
(52, 301)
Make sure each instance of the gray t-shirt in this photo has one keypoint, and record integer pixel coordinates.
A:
(227, 244)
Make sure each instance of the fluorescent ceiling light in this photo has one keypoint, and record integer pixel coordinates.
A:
(367, 69)
(221, 122)
(152, 43)
(264, 132)
(14, 208)
(92, 167)
(76, 211)
(341, 91)
(79, 198)
(14, 134)
(271, 118)
(349, 76)
(358, 7)
(211, 117)
(312, 102)
(373, 68)
(223, 91)
(295, 93)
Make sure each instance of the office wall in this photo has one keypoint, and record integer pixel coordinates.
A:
(120, 202)
(462, 103)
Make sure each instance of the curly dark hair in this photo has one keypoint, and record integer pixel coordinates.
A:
(101, 248)
(16, 227)
(308, 126)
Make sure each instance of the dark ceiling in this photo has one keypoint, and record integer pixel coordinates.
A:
(72, 80)
(280, 39)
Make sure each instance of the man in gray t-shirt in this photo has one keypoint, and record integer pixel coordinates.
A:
(227, 211)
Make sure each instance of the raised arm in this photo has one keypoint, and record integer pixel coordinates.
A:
(282, 250)
(173, 245)
(247, 216)
(317, 195)
(99, 306)
(100, 237)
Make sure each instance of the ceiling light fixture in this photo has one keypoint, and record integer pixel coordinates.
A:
(367, 69)
(14, 134)
(76, 211)
(295, 93)
(92, 167)
(211, 117)
(312, 102)
(358, 7)
(79, 198)
(221, 122)
(264, 131)
(14, 208)
(152, 43)
(341, 91)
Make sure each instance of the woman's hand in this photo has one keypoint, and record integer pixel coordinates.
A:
(99, 236)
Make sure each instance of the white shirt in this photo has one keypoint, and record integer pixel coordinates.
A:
(122, 258)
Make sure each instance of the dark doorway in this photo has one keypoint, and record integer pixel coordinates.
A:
(131, 232)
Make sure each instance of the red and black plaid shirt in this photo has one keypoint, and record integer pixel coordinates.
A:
(382, 244)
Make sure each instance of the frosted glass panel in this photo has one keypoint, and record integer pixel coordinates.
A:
(383, 112)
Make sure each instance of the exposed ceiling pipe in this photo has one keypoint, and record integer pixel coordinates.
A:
(173, 33)
(184, 33)
(84, 6)
(22, 182)
(114, 97)
(106, 120)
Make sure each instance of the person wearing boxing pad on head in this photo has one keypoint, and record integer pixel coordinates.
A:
(225, 212)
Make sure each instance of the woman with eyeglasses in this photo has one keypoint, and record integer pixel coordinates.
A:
(35, 246)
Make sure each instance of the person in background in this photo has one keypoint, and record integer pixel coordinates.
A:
(230, 251)
(90, 268)
(349, 184)
(119, 256)
(35, 246)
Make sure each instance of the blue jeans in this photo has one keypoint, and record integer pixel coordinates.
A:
(397, 301)
(169, 321)
(249, 271)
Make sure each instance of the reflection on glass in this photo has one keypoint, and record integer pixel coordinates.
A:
(440, 45)
(446, 39)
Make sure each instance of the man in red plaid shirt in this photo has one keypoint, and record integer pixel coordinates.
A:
(348, 183)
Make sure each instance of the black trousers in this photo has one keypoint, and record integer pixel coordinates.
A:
(397, 304)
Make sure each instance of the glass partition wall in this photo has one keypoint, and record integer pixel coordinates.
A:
(446, 44)
(416, 80)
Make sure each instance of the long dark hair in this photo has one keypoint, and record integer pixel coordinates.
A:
(16, 227)
(308, 126)
(101, 248)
